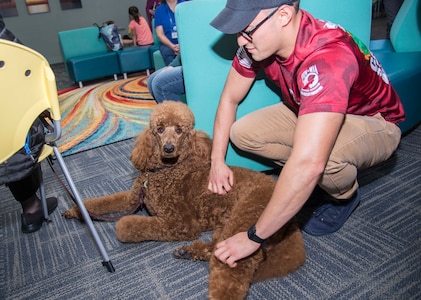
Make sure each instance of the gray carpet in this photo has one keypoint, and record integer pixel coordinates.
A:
(376, 255)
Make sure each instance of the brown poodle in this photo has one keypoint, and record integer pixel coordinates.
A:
(174, 160)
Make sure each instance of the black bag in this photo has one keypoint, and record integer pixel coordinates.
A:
(24, 161)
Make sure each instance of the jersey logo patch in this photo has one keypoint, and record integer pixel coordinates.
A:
(310, 80)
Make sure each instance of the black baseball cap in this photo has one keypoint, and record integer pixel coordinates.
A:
(238, 14)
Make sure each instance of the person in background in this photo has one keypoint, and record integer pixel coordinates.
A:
(339, 114)
(167, 83)
(151, 6)
(166, 30)
(24, 190)
(391, 8)
(141, 34)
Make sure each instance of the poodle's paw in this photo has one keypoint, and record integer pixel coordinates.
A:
(182, 253)
(72, 213)
(196, 251)
(129, 229)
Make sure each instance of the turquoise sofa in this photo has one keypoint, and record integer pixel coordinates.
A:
(207, 54)
(86, 56)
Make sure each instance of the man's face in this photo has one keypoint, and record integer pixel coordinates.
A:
(260, 38)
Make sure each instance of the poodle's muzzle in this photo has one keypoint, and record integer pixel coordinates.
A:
(168, 148)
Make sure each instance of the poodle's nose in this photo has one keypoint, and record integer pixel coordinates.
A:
(168, 148)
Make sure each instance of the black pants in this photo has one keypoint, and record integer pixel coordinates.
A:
(26, 187)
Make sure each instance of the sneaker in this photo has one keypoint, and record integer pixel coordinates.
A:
(331, 215)
(32, 222)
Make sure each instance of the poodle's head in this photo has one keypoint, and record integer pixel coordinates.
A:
(170, 138)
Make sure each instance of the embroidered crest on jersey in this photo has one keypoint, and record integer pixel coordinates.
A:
(244, 58)
(310, 80)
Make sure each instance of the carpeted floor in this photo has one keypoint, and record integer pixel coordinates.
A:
(376, 255)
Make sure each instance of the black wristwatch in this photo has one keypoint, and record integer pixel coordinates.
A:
(251, 233)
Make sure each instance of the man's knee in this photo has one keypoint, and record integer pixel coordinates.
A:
(238, 136)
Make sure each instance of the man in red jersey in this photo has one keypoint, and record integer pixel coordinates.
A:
(339, 114)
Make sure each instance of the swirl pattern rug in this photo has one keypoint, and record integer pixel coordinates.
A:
(103, 113)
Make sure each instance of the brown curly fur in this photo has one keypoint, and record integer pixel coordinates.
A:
(174, 160)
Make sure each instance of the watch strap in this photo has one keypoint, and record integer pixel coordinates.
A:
(251, 233)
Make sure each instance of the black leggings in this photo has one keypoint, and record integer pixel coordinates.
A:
(26, 187)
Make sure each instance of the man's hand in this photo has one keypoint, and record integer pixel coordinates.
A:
(235, 248)
(221, 178)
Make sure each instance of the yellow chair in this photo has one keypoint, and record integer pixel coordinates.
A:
(28, 88)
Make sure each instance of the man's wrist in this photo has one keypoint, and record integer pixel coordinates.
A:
(251, 233)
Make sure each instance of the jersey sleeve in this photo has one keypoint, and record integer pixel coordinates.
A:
(244, 64)
(158, 17)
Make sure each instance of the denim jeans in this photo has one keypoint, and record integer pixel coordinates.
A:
(362, 142)
(167, 84)
(167, 53)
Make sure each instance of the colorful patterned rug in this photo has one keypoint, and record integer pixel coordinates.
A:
(103, 113)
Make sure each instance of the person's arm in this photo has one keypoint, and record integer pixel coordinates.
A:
(134, 37)
(164, 40)
(314, 137)
(235, 89)
(132, 33)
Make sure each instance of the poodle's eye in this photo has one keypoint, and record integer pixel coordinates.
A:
(160, 129)
(179, 130)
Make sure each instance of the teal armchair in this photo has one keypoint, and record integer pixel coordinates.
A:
(207, 55)
(401, 58)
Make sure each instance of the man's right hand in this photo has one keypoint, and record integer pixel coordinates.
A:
(221, 178)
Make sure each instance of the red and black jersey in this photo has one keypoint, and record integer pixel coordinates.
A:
(330, 70)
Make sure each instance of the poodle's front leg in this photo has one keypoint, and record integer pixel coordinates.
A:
(136, 228)
(102, 205)
(232, 283)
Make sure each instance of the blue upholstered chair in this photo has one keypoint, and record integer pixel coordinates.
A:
(134, 59)
(401, 58)
(207, 54)
(156, 57)
(86, 56)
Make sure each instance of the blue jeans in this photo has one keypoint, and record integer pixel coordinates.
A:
(167, 84)
(167, 54)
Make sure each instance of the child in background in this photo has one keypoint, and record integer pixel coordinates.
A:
(141, 34)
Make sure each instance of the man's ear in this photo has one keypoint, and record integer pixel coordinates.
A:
(285, 14)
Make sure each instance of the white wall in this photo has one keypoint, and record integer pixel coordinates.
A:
(39, 31)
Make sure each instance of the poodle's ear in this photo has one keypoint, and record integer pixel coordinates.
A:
(201, 145)
(142, 150)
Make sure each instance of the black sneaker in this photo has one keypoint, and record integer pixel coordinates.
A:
(32, 222)
(330, 216)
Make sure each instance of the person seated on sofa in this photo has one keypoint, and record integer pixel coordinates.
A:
(391, 8)
(339, 113)
(24, 189)
(141, 34)
(167, 83)
(166, 30)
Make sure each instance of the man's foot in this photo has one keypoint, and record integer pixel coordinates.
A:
(32, 222)
(331, 215)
